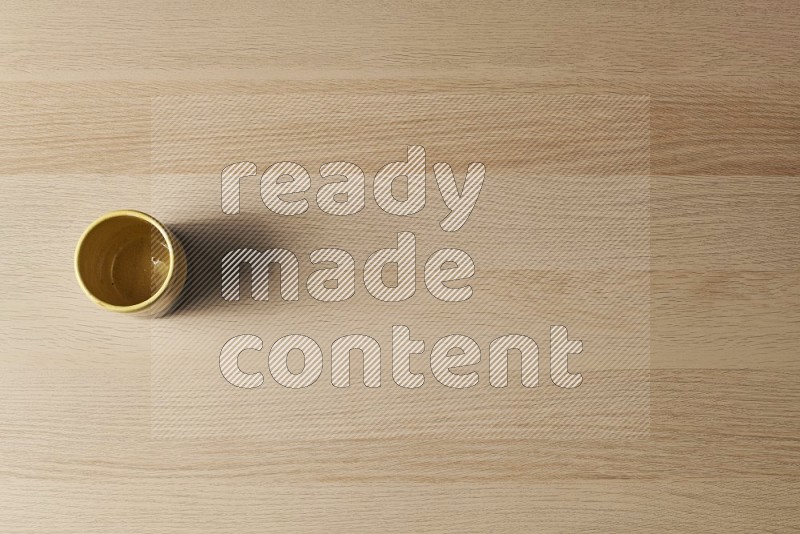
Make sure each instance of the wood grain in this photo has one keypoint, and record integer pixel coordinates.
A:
(76, 85)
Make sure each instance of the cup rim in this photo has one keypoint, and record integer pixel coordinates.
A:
(170, 273)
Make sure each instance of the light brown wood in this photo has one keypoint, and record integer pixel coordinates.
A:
(77, 82)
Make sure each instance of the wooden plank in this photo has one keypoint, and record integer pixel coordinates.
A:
(182, 505)
(705, 128)
(569, 42)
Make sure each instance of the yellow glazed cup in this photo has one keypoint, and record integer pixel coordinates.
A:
(128, 262)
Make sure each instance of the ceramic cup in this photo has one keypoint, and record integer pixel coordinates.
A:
(128, 262)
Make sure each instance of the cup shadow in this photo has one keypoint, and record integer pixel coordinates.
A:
(205, 244)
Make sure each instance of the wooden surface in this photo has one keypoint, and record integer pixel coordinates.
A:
(76, 86)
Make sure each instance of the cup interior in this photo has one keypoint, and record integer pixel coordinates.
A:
(124, 260)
